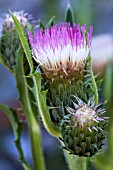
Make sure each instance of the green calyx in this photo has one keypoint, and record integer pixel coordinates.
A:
(62, 94)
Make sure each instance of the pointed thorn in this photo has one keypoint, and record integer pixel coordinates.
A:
(97, 106)
(75, 105)
(67, 121)
(94, 119)
(70, 110)
(89, 129)
(67, 126)
(89, 102)
(80, 102)
(100, 119)
(63, 147)
(88, 75)
(61, 139)
(100, 129)
(76, 125)
(101, 110)
(95, 128)
(93, 104)
(106, 118)
(87, 71)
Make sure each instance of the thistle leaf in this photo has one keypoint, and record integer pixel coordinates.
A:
(50, 22)
(40, 97)
(23, 40)
(41, 24)
(17, 129)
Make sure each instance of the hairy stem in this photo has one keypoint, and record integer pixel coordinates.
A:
(80, 163)
(75, 162)
(36, 144)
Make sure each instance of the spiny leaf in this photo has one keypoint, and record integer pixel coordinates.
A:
(17, 129)
(23, 41)
(50, 22)
(42, 106)
(41, 24)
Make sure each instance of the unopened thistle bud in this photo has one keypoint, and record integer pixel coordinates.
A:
(9, 39)
(61, 50)
(22, 17)
(83, 129)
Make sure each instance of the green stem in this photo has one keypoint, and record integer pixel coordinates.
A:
(80, 163)
(86, 163)
(71, 159)
(30, 111)
(93, 82)
(75, 162)
(36, 144)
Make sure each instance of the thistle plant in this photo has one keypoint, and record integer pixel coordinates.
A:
(18, 68)
(62, 53)
(62, 87)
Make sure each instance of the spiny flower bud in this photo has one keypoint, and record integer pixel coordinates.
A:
(22, 17)
(10, 42)
(61, 50)
(83, 129)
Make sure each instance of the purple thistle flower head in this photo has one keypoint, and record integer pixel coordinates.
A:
(61, 50)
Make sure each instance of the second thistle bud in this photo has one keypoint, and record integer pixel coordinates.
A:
(10, 42)
(83, 130)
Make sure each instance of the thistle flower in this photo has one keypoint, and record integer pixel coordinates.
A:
(101, 56)
(61, 50)
(83, 129)
(10, 42)
(22, 17)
